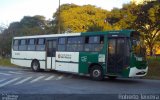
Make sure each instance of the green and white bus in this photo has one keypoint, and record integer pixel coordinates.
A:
(99, 54)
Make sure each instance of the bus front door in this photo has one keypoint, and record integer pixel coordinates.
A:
(116, 55)
(51, 52)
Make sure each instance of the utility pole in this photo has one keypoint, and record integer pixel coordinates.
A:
(59, 19)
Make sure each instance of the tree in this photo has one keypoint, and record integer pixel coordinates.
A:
(144, 18)
(81, 18)
(148, 23)
(27, 26)
(57, 17)
(123, 18)
(2, 28)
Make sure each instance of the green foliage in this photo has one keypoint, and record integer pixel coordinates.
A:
(81, 18)
(153, 65)
(74, 18)
(144, 18)
(27, 26)
(148, 23)
(123, 18)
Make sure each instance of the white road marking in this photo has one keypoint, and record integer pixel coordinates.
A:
(49, 78)
(22, 81)
(60, 77)
(10, 81)
(14, 72)
(5, 74)
(2, 80)
(38, 78)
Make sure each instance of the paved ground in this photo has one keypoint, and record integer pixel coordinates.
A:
(24, 81)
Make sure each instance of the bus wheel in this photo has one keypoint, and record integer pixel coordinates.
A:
(35, 66)
(96, 73)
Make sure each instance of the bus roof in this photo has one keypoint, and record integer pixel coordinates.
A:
(124, 32)
(48, 35)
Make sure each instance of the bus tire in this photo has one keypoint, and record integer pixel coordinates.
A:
(96, 73)
(35, 66)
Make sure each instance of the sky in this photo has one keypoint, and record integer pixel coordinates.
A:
(15, 10)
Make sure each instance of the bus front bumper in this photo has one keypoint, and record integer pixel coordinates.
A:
(135, 72)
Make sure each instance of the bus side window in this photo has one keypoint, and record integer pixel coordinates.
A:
(101, 39)
(15, 45)
(62, 41)
(31, 44)
(94, 39)
(94, 43)
(101, 43)
(23, 45)
(87, 46)
(75, 44)
(40, 44)
(62, 44)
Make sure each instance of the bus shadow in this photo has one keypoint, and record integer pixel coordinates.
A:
(86, 77)
(107, 80)
(123, 80)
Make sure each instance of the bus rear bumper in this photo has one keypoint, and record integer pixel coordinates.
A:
(135, 72)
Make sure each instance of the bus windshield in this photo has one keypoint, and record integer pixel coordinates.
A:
(138, 46)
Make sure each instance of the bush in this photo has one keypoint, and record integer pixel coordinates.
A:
(154, 68)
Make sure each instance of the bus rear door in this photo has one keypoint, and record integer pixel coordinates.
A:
(51, 52)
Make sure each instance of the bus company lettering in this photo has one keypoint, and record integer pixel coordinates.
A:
(66, 56)
(17, 53)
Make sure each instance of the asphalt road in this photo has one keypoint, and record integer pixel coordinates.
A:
(24, 84)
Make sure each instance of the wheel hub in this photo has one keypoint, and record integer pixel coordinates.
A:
(35, 66)
(96, 73)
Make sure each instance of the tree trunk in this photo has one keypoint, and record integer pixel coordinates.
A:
(151, 53)
(151, 50)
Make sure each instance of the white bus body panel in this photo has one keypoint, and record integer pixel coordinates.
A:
(68, 67)
(24, 58)
(51, 63)
(26, 63)
(67, 61)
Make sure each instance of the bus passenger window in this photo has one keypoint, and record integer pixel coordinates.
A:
(31, 44)
(94, 43)
(75, 44)
(80, 47)
(61, 47)
(40, 45)
(41, 41)
(101, 43)
(61, 44)
(94, 39)
(62, 41)
(101, 39)
(87, 39)
(88, 47)
(15, 45)
(23, 45)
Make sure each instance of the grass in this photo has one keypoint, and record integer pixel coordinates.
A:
(153, 68)
(153, 65)
(5, 62)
